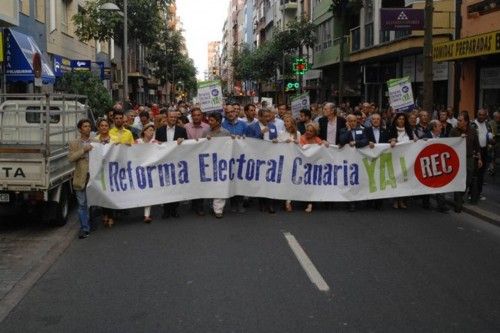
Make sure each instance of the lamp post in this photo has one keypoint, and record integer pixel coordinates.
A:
(113, 7)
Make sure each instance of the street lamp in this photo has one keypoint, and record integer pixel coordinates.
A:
(113, 7)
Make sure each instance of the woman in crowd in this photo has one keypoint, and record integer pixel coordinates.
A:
(290, 134)
(311, 137)
(400, 132)
(103, 137)
(147, 137)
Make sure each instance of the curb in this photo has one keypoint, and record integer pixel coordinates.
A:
(478, 212)
(24, 285)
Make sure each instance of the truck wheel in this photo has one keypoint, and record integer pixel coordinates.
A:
(59, 211)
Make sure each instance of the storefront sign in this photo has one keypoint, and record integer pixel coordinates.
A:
(80, 65)
(474, 46)
(210, 96)
(61, 65)
(124, 177)
(401, 19)
(401, 94)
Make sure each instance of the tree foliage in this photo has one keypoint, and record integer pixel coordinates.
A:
(86, 83)
(144, 21)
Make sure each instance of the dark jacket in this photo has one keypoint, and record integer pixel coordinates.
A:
(323, 128)
(383, 137)
(179, 133)
(357, 135)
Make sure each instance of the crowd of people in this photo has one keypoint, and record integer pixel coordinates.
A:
(327, 124)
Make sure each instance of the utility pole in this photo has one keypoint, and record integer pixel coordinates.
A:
(428, 91)
(125, 51)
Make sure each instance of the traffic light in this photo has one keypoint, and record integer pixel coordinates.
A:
(299, 66)
(292, 86)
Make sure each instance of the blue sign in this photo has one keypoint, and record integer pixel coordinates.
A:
(81, 65)
(61, 65)
(20, 52)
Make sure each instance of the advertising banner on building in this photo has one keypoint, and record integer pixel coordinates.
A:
(474, 46)
(401, 94)
(300, 102)
(61, 65)
(210, 96)
(142, 175)
(401, 19)
(81, 65)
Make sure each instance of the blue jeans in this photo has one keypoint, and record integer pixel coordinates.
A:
(83, 210)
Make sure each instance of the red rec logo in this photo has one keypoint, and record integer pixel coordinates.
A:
(436, 165)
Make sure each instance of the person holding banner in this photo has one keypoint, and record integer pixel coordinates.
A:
(216, 130)
(147, 137)
(167, 133)
(330, 125)
(237, 128)
(400, 132)
(264, 130)
(311, 137)
(289, 135)
(354, 136)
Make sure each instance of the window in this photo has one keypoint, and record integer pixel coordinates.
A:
(37, 114)
(64, 16)
(40, 10)
(24, 6)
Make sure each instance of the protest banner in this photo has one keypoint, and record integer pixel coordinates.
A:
(210, 96)
(142, 175)
(400, 94)
(300, 102)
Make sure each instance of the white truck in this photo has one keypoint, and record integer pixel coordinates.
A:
(35, 173)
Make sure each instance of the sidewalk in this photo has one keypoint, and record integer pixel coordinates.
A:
(489, 208)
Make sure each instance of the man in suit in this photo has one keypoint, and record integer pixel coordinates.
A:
(330, 125)
(375, 134)
(167, 133)
(354, 136)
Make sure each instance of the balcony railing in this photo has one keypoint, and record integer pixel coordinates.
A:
(355, 39)
(369, 34)
(402, 33)
(385, 36)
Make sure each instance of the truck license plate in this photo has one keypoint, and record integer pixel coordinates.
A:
(4, 197)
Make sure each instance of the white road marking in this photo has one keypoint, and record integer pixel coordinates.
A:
(306, 263)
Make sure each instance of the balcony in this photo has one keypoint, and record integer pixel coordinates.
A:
(288, 5)
(355, 39)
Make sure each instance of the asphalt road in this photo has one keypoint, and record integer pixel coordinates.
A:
(388, 271)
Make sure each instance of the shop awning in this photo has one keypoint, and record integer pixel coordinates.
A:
(21, 50)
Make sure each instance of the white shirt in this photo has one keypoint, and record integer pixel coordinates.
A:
(285, 135)
(266, 135)
(482, 133)
(170, 133)
(376, 134)
(248, 122)
(452, 121)
(331, 131)
(280, 124)
(402, 136)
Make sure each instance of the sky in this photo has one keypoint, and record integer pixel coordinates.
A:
(202, 22)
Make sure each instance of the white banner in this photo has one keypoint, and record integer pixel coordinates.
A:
(142, 175)
(210, 96)
(300, 102)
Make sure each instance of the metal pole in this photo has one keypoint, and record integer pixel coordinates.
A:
(428, 92)
(125, 51)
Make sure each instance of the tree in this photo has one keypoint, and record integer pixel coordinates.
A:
(88, 84)
(144, 21)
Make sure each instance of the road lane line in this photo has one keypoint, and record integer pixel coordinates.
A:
(306, 263)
